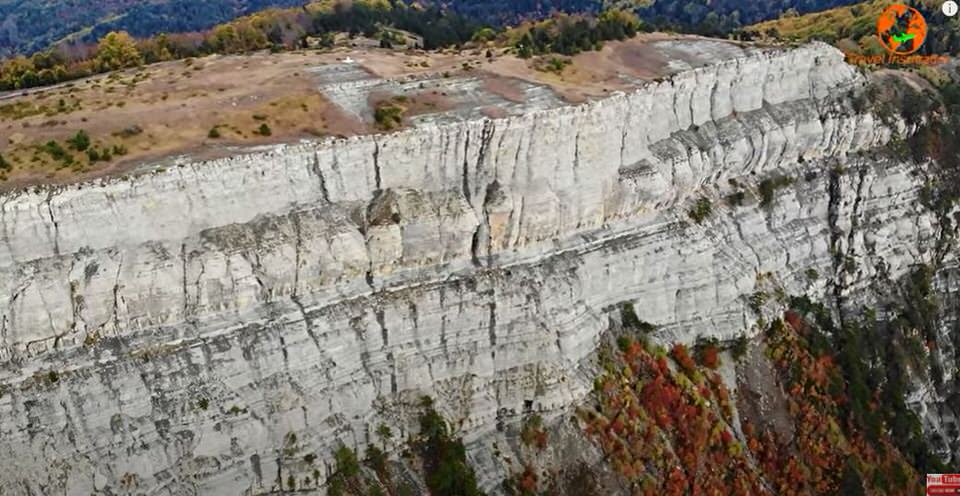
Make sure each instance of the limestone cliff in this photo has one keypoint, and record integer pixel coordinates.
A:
(167, 333)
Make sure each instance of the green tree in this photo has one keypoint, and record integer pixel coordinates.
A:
(617, 24)
(384, 433)
(13, 70)
(445, 460)
(117, 50)
(852, 483)
(347, 464)
(484, 35)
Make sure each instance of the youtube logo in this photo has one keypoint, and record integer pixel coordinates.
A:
(942, 484)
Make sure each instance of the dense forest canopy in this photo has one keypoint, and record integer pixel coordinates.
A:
(712, 17)
(28, 26)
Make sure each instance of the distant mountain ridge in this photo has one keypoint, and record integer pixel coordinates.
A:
(28, 26)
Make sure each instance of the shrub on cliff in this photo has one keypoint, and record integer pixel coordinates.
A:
(736, 199)
(630, 320)
(444, 458)
(345, 480)
(769, 187)
(707, 352)
(701, 210)
(533, 433)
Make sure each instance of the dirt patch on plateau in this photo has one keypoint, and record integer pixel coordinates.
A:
(505, 88)
(619, 66)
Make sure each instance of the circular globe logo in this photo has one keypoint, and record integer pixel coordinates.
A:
(901, 29)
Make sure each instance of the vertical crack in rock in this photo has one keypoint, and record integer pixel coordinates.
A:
(295, 294)
(297, 248)
(576, 152)
(280, 471)
(76, 302)
(378, 180)
(116, 298)
(492, 328)
(381, 321)
(414, 313)
(54, 222)
(833, 215)
(183, 268)
(841, 256)
(475, 242)
(283, 348)
(319, 173)
(255, 465)
(465, 179)
(198, 293)
(855, 212)
(516, 159)
(489, 128)
(712, 104)
(520, 218)
(756, 255)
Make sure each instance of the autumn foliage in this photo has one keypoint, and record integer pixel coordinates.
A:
(828, 454)
(666, 426)
(667, 432)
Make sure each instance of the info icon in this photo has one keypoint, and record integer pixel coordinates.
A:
(949, 8)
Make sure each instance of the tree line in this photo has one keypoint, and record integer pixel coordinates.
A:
(275, 29)
(569, 34)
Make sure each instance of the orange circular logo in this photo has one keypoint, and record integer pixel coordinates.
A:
(902, 30)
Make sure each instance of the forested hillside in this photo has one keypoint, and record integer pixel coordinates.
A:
(31, 25)
(713, 17)
(854, 28)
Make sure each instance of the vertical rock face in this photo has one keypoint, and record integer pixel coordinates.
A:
(167, 333)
